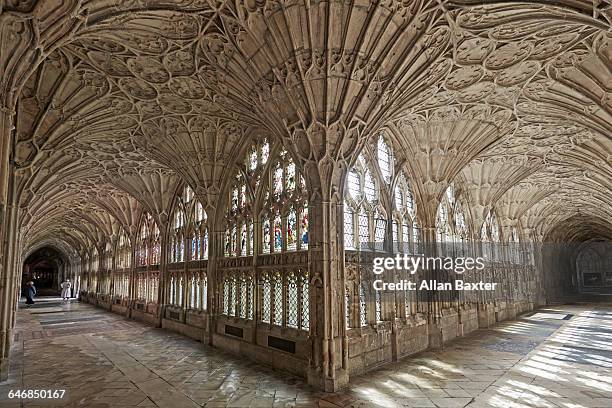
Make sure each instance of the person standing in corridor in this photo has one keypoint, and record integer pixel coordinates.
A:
(30, 293)
(66, 289)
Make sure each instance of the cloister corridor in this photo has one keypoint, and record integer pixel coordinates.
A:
(555, 357)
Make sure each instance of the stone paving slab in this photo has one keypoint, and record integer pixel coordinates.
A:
(524, 363)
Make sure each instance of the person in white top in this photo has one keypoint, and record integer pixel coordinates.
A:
(66, 289)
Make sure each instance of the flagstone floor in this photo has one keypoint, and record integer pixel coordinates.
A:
(560, 357)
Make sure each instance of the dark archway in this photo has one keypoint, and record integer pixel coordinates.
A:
(45, 268)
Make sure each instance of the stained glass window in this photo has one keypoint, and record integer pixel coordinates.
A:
(291, 230)
(278, 233)
(304, 228)
(194, 246)
(243, 240)
(266, 235)
(290, 177)
(239, 218)
(190, 235)
(278, 179)
(148, 242)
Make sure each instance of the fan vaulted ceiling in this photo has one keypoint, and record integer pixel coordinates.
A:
(510, 100)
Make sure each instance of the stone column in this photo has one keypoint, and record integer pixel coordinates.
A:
(329, 364)
(162, 290)
(9, 271)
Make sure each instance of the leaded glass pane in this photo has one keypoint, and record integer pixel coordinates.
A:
(204, 292)
(304, 228)
(408, 302)
(228, 242)
(362, 306)
(384, 159)
(399, 205)
(410, 202)
(204, 245)
(364, 229)
(235, 199)
(290, 177)
(199, 212)
(243, 240)
(234, 243)
(253, 159)
(194, 248)
(250, 238)
(305, 303)
(396, 236)
(250, 298)
(265, 152)
(243, 297)
(233, 298)
(378, 306)
(347, 307)
(405, 235)
(349, 234)
(277, 182)
(278, 240)
(179, 289)
(278, 299)
(291, 231)
(198, 291)
(226, 297)
(380, 228)
(266, 235)
(243, 196)
(292, 300)
(369, 187)
(266, 299)
(192, 294)
(354, 186)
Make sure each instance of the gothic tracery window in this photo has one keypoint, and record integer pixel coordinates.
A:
(189, 239)
(149, 241)
(489, 237)
(364, 222)
(124, 251)
(452, 233)
(285, 299)
(284, 214)
(406, 234)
